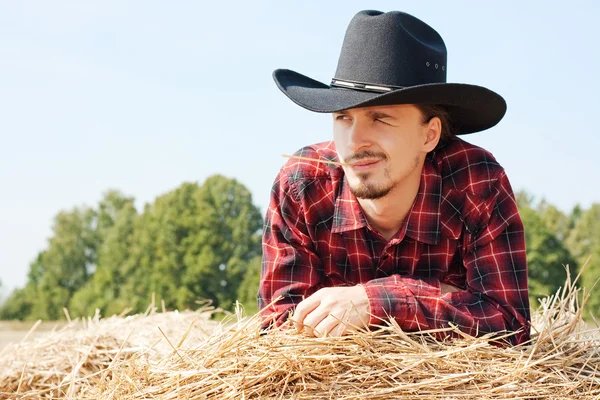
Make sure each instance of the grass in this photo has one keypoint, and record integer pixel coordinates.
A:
(24, 326)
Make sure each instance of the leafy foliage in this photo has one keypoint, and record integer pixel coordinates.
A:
(554, 240)
(203, 242)
(249, 287)
(547, 256)
(584, 242)
(195, 242)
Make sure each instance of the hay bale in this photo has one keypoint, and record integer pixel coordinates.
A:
(64, 362)
(236, 361)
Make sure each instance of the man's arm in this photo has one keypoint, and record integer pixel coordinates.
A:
(496, 295)
(290, 269)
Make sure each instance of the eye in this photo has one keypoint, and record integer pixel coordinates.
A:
(381, 121)
(341, 117)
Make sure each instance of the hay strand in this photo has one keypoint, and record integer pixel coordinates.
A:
(317, 160)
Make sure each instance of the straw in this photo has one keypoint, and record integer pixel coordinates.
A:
(187, 355)
(317, 160)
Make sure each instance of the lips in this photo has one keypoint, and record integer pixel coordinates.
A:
(365, 164)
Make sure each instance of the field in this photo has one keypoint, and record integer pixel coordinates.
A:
(15, 331)
(10, 336)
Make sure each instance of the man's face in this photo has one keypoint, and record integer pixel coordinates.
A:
(385, 144)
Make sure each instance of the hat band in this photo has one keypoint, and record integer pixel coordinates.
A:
(369, 87)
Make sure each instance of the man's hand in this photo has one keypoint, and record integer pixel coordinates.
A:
(333, 311)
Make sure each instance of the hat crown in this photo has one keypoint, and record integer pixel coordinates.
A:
(391, 49)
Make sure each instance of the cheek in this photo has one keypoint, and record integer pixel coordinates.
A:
(337, 136)
(340, 139)
(397, 147)
(403, 154)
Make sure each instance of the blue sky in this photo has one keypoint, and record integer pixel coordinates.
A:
(141, 96)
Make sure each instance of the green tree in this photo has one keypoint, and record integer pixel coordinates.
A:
(591, 281)
(249, 286)
(575, 216)
(547, 255)
(228, 239)
(134, 286)
(65, 266)
(584, 242)
(103, 290)
(169, 225)
(195, 242)
(18, 304)
(524, 199)
(556, 221)
(585, 236)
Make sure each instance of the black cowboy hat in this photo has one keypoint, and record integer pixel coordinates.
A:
(394, 58)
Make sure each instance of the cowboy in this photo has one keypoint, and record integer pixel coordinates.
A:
(414, 223)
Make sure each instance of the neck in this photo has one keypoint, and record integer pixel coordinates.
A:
(388, 213)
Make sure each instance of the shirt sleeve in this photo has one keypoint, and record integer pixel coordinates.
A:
(290, 270)
(496, 295)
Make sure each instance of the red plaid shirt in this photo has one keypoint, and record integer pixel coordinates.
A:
(464, 229)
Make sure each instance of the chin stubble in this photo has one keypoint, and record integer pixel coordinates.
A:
(374, 191)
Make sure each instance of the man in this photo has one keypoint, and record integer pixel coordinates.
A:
(415, 224)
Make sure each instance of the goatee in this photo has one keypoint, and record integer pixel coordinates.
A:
(372, 190)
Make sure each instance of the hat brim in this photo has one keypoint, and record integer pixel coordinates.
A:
(472, 108)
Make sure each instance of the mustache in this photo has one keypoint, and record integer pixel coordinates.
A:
(365, 154)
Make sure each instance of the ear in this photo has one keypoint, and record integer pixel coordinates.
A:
(433, 134)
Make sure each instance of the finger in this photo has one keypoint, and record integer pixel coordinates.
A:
(344, 327)
(305, 307)
(326, 326)
(341, 328)
(358, 319)
(314, 318)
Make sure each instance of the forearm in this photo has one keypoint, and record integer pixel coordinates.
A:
(495, 291)
(419, 304)
(291, 271)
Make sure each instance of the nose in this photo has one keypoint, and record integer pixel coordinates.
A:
(358, 135)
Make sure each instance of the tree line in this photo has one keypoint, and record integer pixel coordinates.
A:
(202, 242)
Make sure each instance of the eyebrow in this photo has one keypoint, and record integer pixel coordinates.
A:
(378, 115)
(371, 114)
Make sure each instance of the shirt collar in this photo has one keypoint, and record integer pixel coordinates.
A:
(422, 222)
(347, 215)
